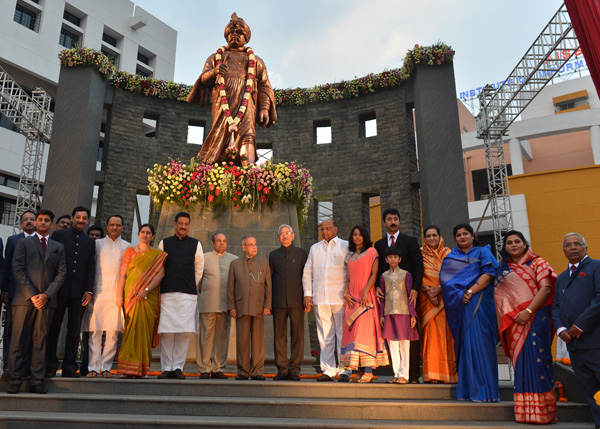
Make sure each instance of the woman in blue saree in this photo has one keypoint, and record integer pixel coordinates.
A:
(466, 277)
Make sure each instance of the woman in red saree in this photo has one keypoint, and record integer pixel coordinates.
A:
(141, 273)
(439, 363)
(363, 346)
(523, 294)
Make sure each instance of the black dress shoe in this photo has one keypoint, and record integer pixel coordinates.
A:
(343, 378)
(70, 373)
(294, 376)
(50, 373)
(258, 377)
(178, 374)
(281, 376)
(324, 377)
(163, 375)
(38, 388)
(13, 389)
(219, 375)
(241, 377)
(205, 375)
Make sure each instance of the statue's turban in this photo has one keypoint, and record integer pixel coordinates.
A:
(238, 22)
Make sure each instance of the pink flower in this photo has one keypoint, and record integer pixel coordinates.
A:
(211, 187)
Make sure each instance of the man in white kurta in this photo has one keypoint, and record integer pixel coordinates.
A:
(215, 322)
(103, 314)
(178, 297)
(323, 281)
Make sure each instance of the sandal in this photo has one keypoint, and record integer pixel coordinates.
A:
(357, 377)
(106, 374)
(392, 381)
(402, 380)
(91, 374)
(365, 378)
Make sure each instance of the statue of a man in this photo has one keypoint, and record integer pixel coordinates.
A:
(241, 96)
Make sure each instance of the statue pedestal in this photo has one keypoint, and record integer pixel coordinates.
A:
(262, 224)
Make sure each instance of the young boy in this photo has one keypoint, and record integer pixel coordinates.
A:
(398, 317)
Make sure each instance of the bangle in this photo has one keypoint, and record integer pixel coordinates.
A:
(529, 310)
(470, 291)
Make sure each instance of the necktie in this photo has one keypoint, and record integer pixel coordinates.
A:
(393, 240)
(573, 268)
(44, 246)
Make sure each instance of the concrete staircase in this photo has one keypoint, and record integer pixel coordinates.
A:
(100, 403)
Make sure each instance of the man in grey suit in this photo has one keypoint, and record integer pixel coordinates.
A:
(39, 269)
(215, 323)
(248, 301)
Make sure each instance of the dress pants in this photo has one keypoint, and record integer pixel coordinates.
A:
(280, 329)
(173, 350)
(101, 359)
(74, 317)
(250, 338)
(6, 336)
(330, 325)
(586, 363)
(213, 334)
(30, 329)
(414, 372)
(399, 352)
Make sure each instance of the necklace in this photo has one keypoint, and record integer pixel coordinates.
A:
(233, 122)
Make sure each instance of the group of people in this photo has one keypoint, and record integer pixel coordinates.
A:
(372, 303)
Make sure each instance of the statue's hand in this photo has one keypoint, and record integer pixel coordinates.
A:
(263, 117)
(221, 68)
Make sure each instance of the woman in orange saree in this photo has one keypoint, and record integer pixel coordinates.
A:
(141, 273)
(523, 294)
(439, 364)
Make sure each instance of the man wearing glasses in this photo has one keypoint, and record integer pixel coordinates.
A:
(323, 280)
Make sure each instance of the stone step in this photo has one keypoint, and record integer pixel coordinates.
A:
(320, 408)
(51, 420)
(266, 389)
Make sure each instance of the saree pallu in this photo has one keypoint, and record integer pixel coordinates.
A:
(528, 346)
(362, 345)
(473, 325)
(438, 345)
(141, 317)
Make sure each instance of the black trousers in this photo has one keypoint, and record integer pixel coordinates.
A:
(280, 329)
(30, 329)
(586, 364)
(74, 316)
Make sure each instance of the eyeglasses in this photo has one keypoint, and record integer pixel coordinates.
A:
(285, 233)
(568, 246)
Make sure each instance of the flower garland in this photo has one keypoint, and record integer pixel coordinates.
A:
(429, 56)
(225, 184)
(597, 397)
(233, 123)
(561, 392)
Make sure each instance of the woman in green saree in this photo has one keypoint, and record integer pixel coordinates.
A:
(141, 273)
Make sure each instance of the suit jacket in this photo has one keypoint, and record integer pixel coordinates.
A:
(80, 252)
(249, 288)
(412, 258)
(8, 284)
(287, 266)
(577, 302)
(212, 294)
(37, 274)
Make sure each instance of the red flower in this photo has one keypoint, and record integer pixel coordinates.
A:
(234, 199)
(240, 115)
(237, 207)
(224, 100)
(217, 191)
(227, 113)
(251, 63)
(222, 86)
(250, 76)
(263, 199)
(248, 89)
(211, 198)
(266, 190)
(259, 188)
(220, 51)
(244, 102)
(211, 187)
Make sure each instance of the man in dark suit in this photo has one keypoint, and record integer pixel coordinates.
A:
(576, 316)
(39, 270)
(248, 301)
(76, 292)
(287, 266)
(412, 261)
(9, 285)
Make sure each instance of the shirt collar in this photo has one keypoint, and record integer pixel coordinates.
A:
(39, 236)
(334, 240)
(577, 264)
(395, 236)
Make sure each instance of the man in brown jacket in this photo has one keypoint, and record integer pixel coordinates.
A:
(248, 301)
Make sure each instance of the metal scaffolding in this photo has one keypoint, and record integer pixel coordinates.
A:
(501, 106)
(31, 115)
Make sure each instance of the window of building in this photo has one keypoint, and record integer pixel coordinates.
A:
(195, 133)
(150, 124)
(27, 17)
(68, 16)
(113, 56)
(109, 39)
(8, 209)
(143, 59)
(367, 125)
(322, 131)
(141, 72)
(324, 210)
(7, 123)
(571, 102)
(69, 39)
(481, 189)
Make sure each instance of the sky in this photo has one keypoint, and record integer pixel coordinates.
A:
(311, 42)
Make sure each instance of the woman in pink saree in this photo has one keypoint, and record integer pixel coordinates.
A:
(363, 346)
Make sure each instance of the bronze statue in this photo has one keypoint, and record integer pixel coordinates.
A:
(241, 96)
